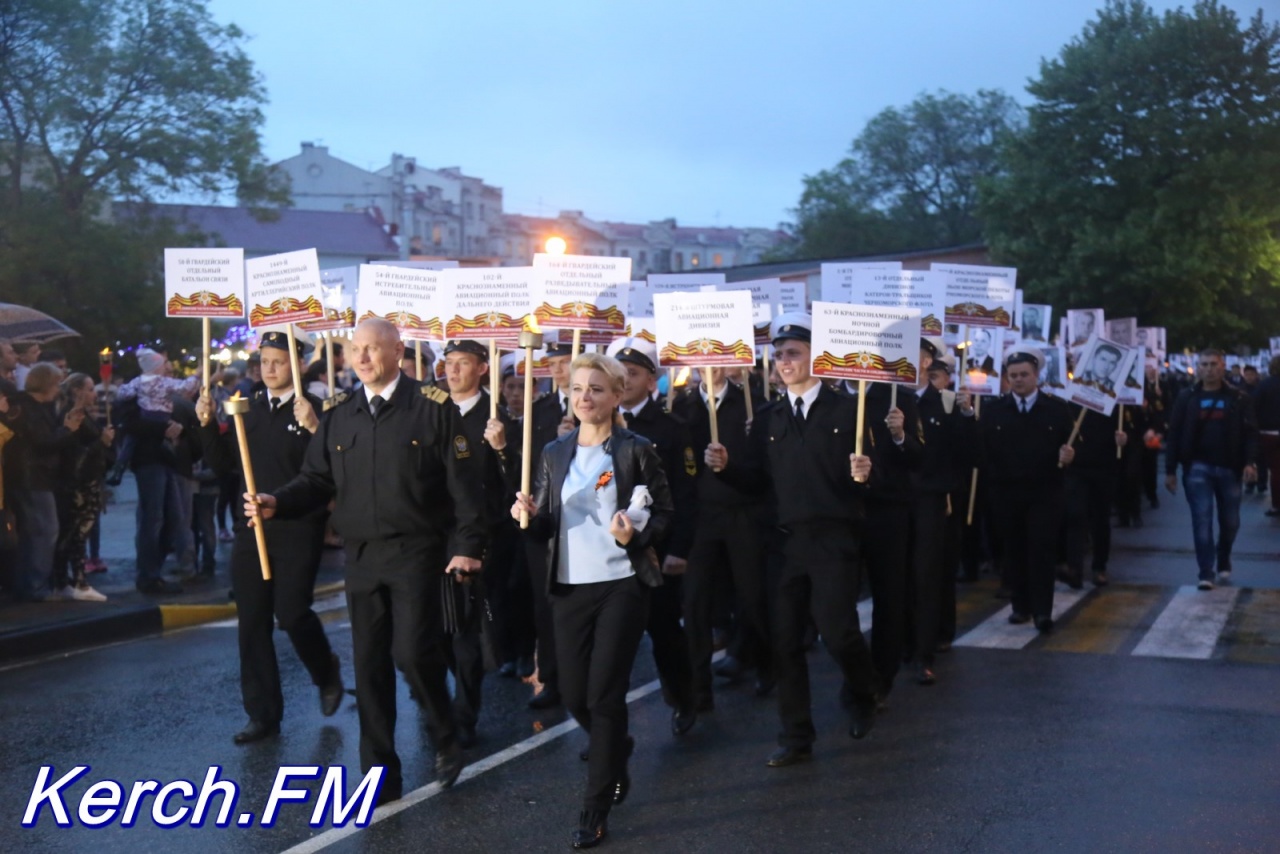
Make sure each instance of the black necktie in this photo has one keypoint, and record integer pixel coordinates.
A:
(800, 410)
(375, 403)
(628, 417)
(564, 406)
(275, 404)
(1023, 400)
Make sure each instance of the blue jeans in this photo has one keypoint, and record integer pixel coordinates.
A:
(159, 518)
(36, 517)
(1205, 484)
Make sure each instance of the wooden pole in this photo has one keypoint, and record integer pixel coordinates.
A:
(711, 404)
(495, 379)
(530, 341)
(671, 388)
(417, 360)
(577, 345)
(746, 393)
(973, 480)
(204, 361)
(893, 395)
(862, 417)
(767, 385)
(1075, 431)
(236, 407)
(294, 366)
(328, 361)
(1119, 450)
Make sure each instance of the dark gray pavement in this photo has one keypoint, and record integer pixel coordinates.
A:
(1072, 742)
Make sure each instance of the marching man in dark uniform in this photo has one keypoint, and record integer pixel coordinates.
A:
(803, 448)
(1024, 449)
(407, 485)
(947, 435)
(670, 439)
(1088, 497)
(730, 530)
(278, 427)
(466, 366)
(552, 418)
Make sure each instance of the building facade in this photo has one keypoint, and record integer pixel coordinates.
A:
(442, 213)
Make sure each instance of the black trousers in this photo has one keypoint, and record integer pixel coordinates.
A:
(393, 597)
(885, 546)
(1029, 518)
(598, 629)
(727, 536)
(819, 583)
(293, 548)
(465, 654)
(670, 645)
(510, 596)
(1089, 496)
(1129, 484)
(1150, 473)
(544, 626)
(929, 582)
(951, 549)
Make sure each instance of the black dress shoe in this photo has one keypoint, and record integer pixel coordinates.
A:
(331, 691)
(729, 668)
(547, 699)
(623, 787)
(256, 731)
(925, 675)
(448, 766)
(862, 720)
(467, 737)
(1018, 618)
(1100, 579)
(784, 756)
(389, 794)
(1074, 580)
(683, 721)
(1044, 625)
(593, 826)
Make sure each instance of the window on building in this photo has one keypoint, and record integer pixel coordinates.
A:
(678, 260)
(471, 211)
(435, 234)
(625, 253)
(717, 260)
(694, 260)
(482, 210)
(644, 258)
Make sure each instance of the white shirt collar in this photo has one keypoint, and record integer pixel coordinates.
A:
(1031, 399)
(386, 392)
(635, 411)
(808, 397)
(284, 396)
(720, 395)
(465, 406)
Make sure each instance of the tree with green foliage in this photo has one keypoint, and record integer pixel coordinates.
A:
(1148, 179)
(910, 180)
(103, 101)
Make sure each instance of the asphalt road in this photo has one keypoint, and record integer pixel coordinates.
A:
(1149, 721)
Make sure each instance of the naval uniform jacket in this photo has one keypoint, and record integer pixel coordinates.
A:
(277, 446)
(670, 438)
(948, 444)
(635, 463)
(412, 472)
(1022, 449)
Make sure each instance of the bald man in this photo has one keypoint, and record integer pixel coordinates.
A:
(409, 506)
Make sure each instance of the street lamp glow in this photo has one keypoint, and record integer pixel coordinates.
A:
(556, 246)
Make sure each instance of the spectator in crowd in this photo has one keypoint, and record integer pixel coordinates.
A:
(79, 490)
(1213, 437)
(315, 379)
(1267, 405)
(56, 358)
(44, 437)
(8, 363)
(28, 353)
(252, 379)
(228, 495)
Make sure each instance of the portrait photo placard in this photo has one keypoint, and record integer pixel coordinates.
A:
(978, 368)
(1101, 370)
(1034, 322)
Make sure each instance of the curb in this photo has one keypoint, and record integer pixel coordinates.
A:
(37, 642)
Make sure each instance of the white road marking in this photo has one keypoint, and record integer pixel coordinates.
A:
(426, 793)
(1189, 627)
(996, 632)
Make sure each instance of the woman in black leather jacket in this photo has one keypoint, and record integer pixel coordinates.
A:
(587, 506)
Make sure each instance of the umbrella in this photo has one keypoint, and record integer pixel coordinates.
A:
(21, 323)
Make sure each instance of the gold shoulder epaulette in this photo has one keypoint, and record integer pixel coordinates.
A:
(331, 402)
(431, 392)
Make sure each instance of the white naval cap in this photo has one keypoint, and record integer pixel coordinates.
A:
(1024, 353)
(637, 351)
(795, 325)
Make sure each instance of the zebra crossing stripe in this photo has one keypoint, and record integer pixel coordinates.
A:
(996, 632)
(1189, 627)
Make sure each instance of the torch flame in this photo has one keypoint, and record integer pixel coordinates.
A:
(682, 378)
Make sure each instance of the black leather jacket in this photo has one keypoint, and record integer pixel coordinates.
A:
(635, 463)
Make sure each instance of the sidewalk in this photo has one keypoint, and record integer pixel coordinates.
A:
(37, 629)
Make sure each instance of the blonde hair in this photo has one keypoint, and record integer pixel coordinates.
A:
(606, 365)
